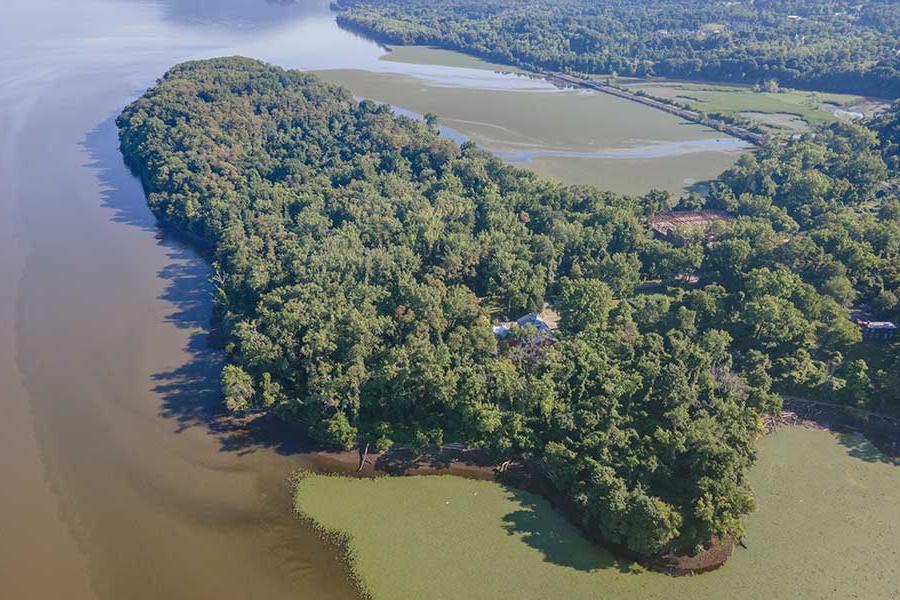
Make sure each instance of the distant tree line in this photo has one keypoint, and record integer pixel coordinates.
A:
(360, 260)
(829, 45)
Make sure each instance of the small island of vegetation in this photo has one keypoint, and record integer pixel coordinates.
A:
(361, 260)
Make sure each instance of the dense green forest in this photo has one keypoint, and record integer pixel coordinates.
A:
(887, 127)
(828, 45)
(360, 261)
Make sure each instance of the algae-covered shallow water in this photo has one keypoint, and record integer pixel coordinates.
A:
(827, 527)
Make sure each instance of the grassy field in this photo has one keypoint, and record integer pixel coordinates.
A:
(827, 527)
(773, 109)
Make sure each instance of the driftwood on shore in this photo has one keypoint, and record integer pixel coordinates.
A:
(786, 417)
(363, 455)
(881, 430)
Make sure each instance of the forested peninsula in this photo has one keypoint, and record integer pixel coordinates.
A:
(838, 46)
(360, 261)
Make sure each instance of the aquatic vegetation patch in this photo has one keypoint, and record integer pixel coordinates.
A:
(448, 537)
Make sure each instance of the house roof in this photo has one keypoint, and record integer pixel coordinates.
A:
(544, 330)
(535, 321)
(885, 325)
(501, 330)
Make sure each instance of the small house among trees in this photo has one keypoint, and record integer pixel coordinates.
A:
(527, 331)
(877, 330)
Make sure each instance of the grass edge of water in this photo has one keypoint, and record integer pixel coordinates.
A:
(339, 540)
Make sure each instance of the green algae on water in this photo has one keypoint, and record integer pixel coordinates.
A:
(827, 527)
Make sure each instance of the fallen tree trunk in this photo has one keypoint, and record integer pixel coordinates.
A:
(363, 454)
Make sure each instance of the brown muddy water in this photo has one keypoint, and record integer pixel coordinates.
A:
(114, 485)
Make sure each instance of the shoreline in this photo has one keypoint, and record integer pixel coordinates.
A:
(883, 431)
(399, 530)
(266, 430)
(458, 461)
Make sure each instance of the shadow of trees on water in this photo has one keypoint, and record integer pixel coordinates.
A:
(869, 436)
(190, 394)
(871, 450)
(545, 529)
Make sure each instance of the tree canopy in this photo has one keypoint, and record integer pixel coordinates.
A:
(887, 127)
(361, 259)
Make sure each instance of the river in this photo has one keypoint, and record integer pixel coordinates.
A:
(115, 485)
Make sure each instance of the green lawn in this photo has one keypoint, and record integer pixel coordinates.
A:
(828, 526)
